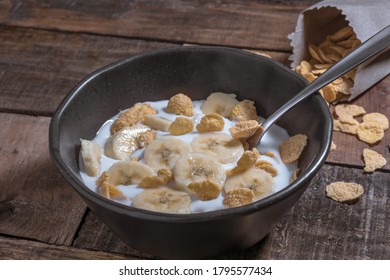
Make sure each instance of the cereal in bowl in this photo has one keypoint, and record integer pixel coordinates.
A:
(188, 156)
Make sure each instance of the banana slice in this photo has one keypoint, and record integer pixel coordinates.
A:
(163, 152)
(197, 167)
(220, 103)
(219, 146)
(258, 180)
(164, 200)
(128, 172)
(157, 123)
(124, 142)
(91, 154)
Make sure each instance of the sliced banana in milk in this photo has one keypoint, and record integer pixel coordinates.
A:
(124, 142)
(219, 103)
(91, 154)
(197, 167)
(258, 180)
(164, 200)
(163, 152)
(219, 146)
(128, 172)
(157, 123)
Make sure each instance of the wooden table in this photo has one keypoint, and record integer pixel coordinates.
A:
(46, 47)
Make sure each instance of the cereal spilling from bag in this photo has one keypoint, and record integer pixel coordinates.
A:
(323, 56)
(371, 128)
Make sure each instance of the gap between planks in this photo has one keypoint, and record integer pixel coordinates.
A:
(238, 23)
(146, 39)
(24, 249)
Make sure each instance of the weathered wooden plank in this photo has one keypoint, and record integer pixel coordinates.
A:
(319, 228)
(20, 249)
(95, 235)
(35, 201)
(349, 148)
(315, 228)
(37, 66)
(40, 65)
(281, 57)
(254, 24)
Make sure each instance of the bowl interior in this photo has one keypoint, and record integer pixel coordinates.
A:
(197, 72)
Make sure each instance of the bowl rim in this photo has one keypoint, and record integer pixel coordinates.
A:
(263, 203)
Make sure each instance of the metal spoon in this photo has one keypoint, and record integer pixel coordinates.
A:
(374, 45)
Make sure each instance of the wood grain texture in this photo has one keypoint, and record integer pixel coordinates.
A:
(349, 148)
(319, 228)
(94, 235)
(315, 228)
(253, 24)
(38, 68)
(18, 249)
(40, 65)
(47, 46)
(35, 201)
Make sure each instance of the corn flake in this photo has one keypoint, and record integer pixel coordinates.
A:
(342, 34)
(164, 176)
(372, 160)
(304, 68)
(244, 129)
(370, 132)
(266, 166)
(349, 110)
(348, 45)
(329, 93)
(103, 178)
(244, 111)
(247, 160)
(270, 154)
(180, 104)
(295, 175)
(181, 126)
(310, 77)
(238, 197)
(132, 116)
(314, 52)
(205, 190)
(346, 124)
(345, 86)
(378, 118)
(291, 149)
(112, 192)
(211, 122)
(146, 138)
(333, 146)
(344, 191)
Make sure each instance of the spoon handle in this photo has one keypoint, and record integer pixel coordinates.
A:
(369, 48)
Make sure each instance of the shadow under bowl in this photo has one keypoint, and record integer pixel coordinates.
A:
(197, 72)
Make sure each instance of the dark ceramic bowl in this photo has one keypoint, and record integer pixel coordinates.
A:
(197, 71)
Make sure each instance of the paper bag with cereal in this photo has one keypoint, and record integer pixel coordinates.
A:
(328, 31)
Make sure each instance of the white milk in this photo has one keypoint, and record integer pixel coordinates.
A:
(269, 143)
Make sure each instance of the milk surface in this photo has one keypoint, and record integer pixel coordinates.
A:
(269, 143)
